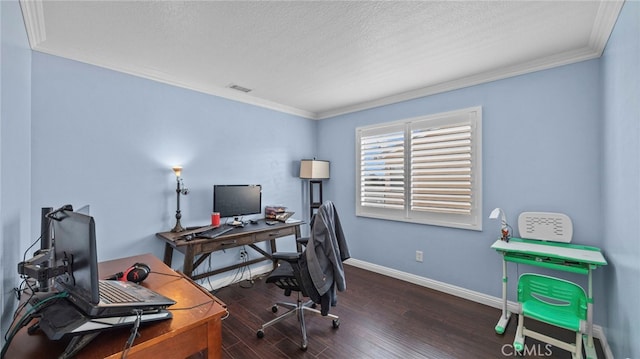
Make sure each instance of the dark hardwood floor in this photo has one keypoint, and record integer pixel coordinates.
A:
(380, 317)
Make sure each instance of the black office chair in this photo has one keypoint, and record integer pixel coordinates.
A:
(301, 242)
(293, 273)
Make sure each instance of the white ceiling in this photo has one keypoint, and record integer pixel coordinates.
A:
(318, 59)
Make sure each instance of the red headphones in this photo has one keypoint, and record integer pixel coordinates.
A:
(136, 273)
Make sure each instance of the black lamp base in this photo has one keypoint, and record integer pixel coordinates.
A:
(178, 227)
(315, 196)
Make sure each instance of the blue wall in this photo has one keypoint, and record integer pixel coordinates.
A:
(621, 181)
(564, 140)
(15, 152)
(541, 152)
(109, 140)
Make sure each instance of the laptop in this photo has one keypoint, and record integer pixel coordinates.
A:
(60, 318)
(74, 244)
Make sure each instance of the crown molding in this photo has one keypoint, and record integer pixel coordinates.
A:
(603, 25)
(503, 73)
(604, 22)
(162, 77)
(33, 14)
(506, 72)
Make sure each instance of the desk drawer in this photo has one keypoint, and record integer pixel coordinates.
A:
(218, 244)
(275, 233)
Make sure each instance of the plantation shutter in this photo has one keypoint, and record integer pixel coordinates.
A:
(382, 179)
(425, 169)
(441, 168)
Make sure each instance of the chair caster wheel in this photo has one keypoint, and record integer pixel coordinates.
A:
(303, 347)
(274, 309)
(260, 333)
(336, 323)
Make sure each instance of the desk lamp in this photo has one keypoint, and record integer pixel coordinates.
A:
(315, 171)
(180, 189)
(504, 229)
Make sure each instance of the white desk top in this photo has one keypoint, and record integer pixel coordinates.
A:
(540, 248)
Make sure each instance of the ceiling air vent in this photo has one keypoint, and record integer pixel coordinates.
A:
(239, 88)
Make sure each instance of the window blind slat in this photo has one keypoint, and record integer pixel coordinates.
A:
(444, 131)
(436, 191)
(435, 197)
(441, 210)
(440, 173)
(382, 178)
(385, 187)
(440, 164)
(443, 158)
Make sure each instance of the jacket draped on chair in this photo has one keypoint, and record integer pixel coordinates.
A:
(324, 254)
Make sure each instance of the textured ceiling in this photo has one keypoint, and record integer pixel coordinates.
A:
(318, 59)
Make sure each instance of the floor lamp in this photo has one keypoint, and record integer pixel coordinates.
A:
(315, 171)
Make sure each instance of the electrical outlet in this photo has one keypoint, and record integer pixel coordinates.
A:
(243, 254)
(419, 256)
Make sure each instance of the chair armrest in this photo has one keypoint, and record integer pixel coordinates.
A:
(286, 256)
(303, 240)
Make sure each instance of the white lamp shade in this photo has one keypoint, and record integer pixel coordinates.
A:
(314, 169)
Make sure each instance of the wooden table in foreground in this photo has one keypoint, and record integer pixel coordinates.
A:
(198, 249)
(196, 326)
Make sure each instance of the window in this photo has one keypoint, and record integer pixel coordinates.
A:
(423, 170)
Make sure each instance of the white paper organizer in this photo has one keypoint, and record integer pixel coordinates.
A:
(546, 226)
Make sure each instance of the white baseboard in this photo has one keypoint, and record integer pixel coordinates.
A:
(495, 302)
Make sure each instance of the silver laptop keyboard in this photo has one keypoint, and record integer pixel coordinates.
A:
(110, 293)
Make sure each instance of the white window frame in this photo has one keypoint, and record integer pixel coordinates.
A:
(453, 195)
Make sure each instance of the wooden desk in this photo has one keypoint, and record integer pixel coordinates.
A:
(203, 247)
(567, 257)
(196, 325)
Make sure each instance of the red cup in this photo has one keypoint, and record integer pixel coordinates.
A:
(215, 219)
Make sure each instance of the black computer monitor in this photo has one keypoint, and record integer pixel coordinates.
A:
(74, 238)
(237, 200)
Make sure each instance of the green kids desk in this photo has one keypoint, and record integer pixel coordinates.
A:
(553, 255)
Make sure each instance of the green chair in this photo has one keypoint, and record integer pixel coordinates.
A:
(553, 301)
